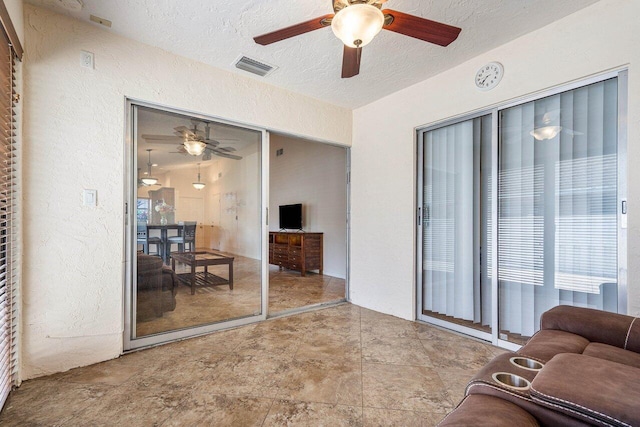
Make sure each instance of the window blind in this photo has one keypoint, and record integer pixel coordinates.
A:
(9, 220)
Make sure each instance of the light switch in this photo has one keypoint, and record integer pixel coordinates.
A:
(86, 59)
(90, 198)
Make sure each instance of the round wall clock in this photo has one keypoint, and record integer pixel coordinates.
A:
(489, 76)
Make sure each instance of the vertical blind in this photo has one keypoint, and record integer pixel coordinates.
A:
(9, 238)
(557, 231)
(454, 271)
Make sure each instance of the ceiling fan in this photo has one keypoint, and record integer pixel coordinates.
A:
(194, 142)
(356, 23)
(208, 151)
(546, 126)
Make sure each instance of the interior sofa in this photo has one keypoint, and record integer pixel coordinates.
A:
(581, 369)
(157, 288)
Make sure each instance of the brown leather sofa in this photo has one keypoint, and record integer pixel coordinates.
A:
(156, 289)
(581, 369)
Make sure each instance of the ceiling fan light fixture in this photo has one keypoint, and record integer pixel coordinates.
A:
(546, 132)
(194, 147)
(356, 25)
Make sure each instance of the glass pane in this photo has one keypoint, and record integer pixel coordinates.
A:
(557, 229)
(198, 222)
(456, 227)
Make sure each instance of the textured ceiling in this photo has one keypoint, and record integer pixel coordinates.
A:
(217, 32)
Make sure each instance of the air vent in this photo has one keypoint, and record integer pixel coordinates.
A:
(253, 66)
(100, 21)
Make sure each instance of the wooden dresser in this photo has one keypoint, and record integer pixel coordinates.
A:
(296, 251)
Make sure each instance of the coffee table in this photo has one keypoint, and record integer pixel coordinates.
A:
(202, 259)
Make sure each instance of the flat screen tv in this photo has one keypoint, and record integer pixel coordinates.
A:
(291, 217)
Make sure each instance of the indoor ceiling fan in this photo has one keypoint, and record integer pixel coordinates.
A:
(356, 23)
(194, 142)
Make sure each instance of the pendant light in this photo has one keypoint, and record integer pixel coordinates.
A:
(198, 185)
(149, 180)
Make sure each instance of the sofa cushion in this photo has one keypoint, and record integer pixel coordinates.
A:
(593, 325)
(614, 354)
(594, 390)
(547, 343)
(481, 410)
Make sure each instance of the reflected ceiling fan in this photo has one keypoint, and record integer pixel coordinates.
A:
(356, 23)
(546, 126)
(195, 142)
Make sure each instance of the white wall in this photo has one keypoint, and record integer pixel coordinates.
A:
(74, 139)
(595, 39)
(315, 175)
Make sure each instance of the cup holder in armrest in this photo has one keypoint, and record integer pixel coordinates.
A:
(526, 363)
(513, 381)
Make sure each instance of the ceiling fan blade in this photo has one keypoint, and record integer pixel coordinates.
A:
(227, 149)
(223, 154)
(420, 28)
(160, 137)
(294, 30)
(351, 61)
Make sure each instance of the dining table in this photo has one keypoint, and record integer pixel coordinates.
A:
(164, 237)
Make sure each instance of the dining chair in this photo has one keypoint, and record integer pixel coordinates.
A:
(146, 241)
(186, 237)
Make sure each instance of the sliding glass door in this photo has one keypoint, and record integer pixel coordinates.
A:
(456, 177)
(523, 209)
(196, 249)
(557, 229)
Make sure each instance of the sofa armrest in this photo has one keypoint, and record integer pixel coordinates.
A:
(594, 325)
(596, 391)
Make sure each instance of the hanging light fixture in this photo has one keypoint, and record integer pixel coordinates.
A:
(194, 146)
(149, 180)
(546, 131)
(198, 185)
(356, 25)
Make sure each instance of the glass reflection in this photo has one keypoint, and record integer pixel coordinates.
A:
(198, 222)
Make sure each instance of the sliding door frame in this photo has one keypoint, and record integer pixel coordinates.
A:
(622, 75)
(130, 262)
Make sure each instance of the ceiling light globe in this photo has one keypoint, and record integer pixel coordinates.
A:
(198, 185)
(546, 132)
(194, 147)
(147, 180)
(358, 24)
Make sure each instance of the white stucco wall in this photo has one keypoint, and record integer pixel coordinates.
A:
(593, 40)
(74, 139)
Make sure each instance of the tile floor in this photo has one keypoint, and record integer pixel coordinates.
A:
(339, 366)
(287, 290)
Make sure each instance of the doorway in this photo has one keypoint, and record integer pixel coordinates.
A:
(308, 227)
